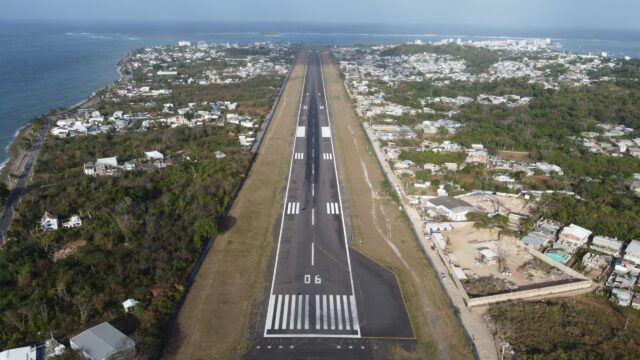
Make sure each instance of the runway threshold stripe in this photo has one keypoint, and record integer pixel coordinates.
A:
(346, 312)
(297, 208)
(270, 312)
(277, 324)
(333, 319)
(354, 313)
(324, 312)
(285, 312)
(293, 312)
(339, 310)
(317, 312)
(306, 312)
(299, 326)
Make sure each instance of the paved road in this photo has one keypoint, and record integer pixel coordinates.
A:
(25, 169)
(312, 291)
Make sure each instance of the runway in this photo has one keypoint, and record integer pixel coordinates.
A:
(312, 291)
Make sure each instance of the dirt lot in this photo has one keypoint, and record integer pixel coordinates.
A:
(489, 203)
(214, 320)
(465, 243)
(515, 155)
(381, 232)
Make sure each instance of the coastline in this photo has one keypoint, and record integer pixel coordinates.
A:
(15, 153)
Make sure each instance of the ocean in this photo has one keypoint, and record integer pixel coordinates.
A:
(44, 66)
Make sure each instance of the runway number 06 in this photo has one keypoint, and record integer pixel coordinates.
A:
(316, 279)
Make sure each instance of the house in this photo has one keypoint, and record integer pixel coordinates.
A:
(42, 351)
(453, 208)
(129, 166)
(73, 222)
(544, 233)
(451, 166)
(89, 168)
(431, 167)
(623, 296)
(154, 155)
(107, 162)
(573, 237)
(477, 156)
(515, 219)
(48, 222)
(632, 254)
(103, 342)
(595, 261)
(403, 165)
(432, 227)
(129, 304)
(488, 256)
(607, 245)
(421, 184)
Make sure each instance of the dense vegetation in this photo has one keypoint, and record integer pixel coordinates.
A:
(409, 93)
(584, 327)
(478, 60)
(141, 234)
(4, 193)
(424, 157)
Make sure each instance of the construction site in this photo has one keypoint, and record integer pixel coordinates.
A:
(488, 261)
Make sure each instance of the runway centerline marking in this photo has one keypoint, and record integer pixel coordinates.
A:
(312, 254)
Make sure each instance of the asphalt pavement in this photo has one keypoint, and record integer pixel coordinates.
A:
(317, 290)
(25, 169)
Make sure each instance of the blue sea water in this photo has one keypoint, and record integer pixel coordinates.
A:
(44, 66)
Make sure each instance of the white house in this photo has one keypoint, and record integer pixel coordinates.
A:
(573, 237)
(60, 132)
(89, 168)
(432, 227)
(48, 222)
(632, 253)
(108, 162)
(42, 351)
(73, 222)
(103, 342)
(607, 245)
(154, 155)
(219, 154)
(454, 209)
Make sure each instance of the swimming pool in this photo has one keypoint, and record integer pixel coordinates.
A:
(558, 255)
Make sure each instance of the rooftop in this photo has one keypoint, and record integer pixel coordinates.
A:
(451, 203)
(102, 341)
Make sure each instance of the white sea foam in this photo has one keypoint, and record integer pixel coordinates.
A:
(106, 36)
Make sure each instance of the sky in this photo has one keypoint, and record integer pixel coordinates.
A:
(526, 14)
